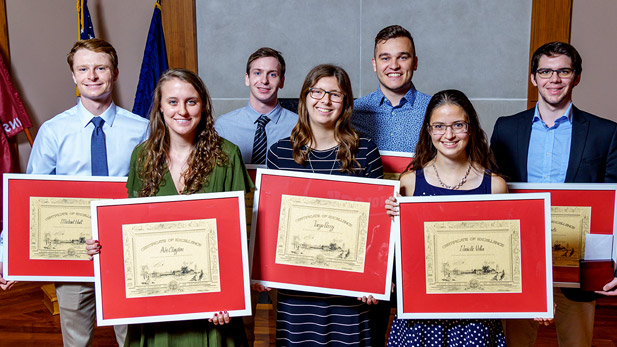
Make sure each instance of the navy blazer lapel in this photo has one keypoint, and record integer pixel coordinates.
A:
(523, 132)
(580, 128)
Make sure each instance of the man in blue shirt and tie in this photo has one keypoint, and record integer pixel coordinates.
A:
(263, 116)
(555, 142)
(93, 138)
(392, 116)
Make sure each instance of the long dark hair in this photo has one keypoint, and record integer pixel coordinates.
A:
(206, 153)
(344, 134)
(478, 150)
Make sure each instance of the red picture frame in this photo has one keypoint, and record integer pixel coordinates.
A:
(18, 188)
(374, 280)
(252, 170)
(113, 306)
(601, 197)
(535, 298)
(395, 162)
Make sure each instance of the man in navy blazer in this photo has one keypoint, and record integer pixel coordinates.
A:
(556, 142)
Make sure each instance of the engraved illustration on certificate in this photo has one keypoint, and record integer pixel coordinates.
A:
(473, 256)
(168, 258)
(569, 225)
(322, 233)
(59, 228)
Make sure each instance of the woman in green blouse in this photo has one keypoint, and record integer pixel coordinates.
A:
(185, 155)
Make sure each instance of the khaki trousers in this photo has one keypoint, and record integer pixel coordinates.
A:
(77, 315)
(573, 322)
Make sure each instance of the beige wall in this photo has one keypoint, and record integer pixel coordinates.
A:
(42, 32)
(593, 34)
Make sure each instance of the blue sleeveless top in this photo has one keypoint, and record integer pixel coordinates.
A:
(424, 189)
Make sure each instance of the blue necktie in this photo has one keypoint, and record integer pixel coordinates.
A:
(98, 151)
(260, 143)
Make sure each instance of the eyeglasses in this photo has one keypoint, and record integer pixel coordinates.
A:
(318, 94)
(548, 73)
(440, 128)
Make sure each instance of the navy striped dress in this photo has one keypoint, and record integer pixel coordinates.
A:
(311, 319)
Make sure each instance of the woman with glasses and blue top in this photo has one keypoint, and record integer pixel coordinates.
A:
(323, 141)
(452, 158)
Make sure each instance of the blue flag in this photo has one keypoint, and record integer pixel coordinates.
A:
(152, 66)
(86, 30)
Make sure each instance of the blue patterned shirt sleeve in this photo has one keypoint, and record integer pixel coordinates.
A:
(392, 128)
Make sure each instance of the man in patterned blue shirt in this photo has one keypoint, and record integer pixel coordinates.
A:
(392, 115)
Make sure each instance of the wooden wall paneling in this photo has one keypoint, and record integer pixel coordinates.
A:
(180, 32)
(4, 34)
(550, 21)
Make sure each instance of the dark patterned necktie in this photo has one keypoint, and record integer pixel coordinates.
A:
(260, 143)
(98, 151)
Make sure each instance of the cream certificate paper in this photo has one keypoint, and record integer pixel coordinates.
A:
(322, 233)
(170, 258)
(473, 257)
(59, 228)
(569, 225)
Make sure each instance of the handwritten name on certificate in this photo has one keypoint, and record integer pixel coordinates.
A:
(322, 233)
(569, 225)
(473, 256)
(59, 228)
(168, 258)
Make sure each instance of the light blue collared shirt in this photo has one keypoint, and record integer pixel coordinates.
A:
(549, 149)
(62, 144)
(239, 126)
(393, 128)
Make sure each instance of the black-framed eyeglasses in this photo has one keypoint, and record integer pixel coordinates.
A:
(441, 128)
(548, 73)
(318, 94)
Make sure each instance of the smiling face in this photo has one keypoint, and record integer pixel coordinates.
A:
(94, 76)
(324, 113)
(449, 144)
(394, 63)
(555, 91)
(264, 79)
(181, 107)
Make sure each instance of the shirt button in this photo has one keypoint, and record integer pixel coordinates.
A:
(391, 134)
(392, 113)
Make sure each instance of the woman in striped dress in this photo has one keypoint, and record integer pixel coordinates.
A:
(323, 141)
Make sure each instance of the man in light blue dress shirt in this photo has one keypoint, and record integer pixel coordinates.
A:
(555, 142)
(63, 147)
(265, 75)
(392, 116)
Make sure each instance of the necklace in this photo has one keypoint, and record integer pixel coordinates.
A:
(322, 158)
(463, 180)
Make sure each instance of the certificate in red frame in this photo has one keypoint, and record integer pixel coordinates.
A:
(395, 162)
(601, 197)
(18, 188)
(112, 305)
(536, 296)
(374, 280)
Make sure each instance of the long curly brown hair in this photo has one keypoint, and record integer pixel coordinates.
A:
(478, 150)
(344, 134)
(206, 153)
